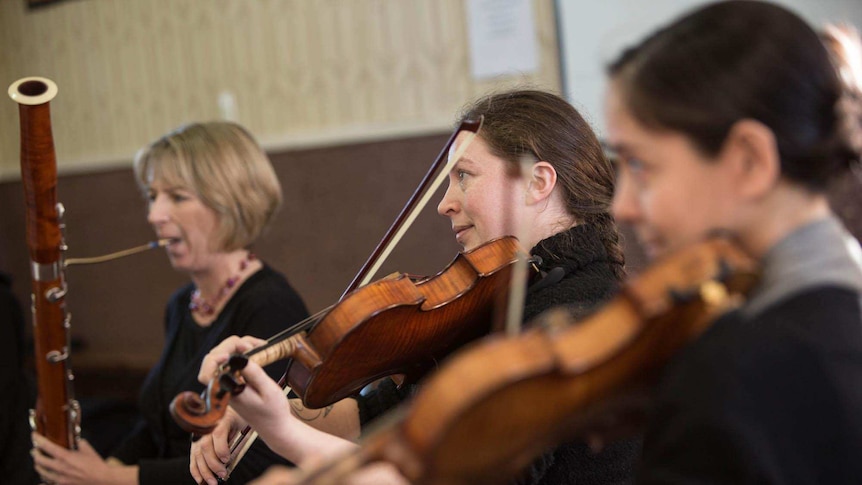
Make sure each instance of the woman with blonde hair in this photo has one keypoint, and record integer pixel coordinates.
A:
(212, 191)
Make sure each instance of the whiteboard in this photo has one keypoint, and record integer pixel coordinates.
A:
(594, 33)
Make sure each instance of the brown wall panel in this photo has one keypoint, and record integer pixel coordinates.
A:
(338, 202)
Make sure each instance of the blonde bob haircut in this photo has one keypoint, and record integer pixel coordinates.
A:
(228, 171)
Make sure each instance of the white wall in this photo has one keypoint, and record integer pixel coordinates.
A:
(592, 34)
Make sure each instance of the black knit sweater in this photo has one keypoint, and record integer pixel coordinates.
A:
(588, 279)
(575, 270)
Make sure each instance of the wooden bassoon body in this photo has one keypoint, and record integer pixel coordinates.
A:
(57, 414)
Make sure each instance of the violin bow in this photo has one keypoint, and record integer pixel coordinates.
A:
(513, 315)
(415, 204)
(423, 193)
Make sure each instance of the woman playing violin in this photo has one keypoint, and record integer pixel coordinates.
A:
(535, 170)
(735, 118)
(212, 191)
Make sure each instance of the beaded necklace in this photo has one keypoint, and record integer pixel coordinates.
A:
(201, 305)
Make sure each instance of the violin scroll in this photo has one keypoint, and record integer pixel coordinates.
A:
(199, 414)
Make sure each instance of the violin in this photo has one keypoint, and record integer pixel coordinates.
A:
(471, 423)
(396, 325)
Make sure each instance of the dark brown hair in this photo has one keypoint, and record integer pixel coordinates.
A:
(544, 126)
(741, 60)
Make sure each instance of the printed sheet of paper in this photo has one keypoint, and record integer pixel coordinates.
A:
(502, 38)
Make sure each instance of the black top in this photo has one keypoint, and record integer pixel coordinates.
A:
(576, 271)
(588, 281)
(771, 394)
(262, 306)
(16, 464)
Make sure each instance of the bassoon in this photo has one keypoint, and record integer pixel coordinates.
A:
(57, 414)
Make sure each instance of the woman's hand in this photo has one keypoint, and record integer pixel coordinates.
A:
(210, 454)
(61, 466)
(221, 352)
(262, 403)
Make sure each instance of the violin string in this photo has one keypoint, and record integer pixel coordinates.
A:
(297, 327)
(290, 331)
(121, 254)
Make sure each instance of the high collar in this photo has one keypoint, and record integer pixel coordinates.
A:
(571, 249)
(820, 253)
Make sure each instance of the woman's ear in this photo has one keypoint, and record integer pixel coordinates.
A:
(751, 150)
(542, 180)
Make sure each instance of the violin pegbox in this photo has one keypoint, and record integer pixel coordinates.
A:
(229, 375)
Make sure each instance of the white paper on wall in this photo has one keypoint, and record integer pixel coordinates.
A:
(502, 37)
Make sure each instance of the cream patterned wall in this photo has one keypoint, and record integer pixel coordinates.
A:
(296, 72)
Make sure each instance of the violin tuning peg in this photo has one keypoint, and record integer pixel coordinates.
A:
(232, 382)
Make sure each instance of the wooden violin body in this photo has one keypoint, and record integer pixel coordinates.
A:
(398, 326)
(495, 406)
(392, 326)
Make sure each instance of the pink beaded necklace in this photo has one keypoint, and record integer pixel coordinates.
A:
(201, 305)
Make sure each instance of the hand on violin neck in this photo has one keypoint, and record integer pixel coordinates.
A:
(262, 402)
(222, 352)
